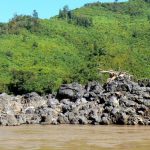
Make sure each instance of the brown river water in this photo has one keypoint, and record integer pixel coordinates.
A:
(72, 137)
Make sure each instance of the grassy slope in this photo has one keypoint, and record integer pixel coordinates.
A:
(63, 47)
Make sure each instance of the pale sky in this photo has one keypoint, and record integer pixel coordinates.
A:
(45, 8)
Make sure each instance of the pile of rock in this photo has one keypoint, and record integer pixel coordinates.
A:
(119, 101)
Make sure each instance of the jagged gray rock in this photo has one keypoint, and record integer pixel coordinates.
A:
(119, 101)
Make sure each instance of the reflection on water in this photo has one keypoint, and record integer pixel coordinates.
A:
(75, 138)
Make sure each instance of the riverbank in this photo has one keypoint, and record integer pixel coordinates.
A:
(119, 101)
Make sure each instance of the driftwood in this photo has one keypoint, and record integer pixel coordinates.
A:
(115, 74)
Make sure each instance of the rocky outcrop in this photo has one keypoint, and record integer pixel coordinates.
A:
(119, 101)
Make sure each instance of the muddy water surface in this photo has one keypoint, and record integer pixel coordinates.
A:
(69, 137)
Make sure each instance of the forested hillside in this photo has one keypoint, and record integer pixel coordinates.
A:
(40, 54)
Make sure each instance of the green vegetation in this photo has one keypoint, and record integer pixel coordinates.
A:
(40, 54)
(80, 20)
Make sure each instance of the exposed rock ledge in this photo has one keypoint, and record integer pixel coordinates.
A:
(119, 101)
